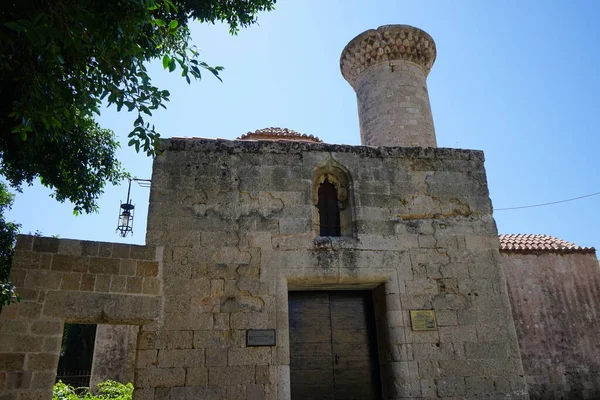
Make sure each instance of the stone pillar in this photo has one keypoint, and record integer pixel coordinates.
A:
(388, 68)
(114, 354)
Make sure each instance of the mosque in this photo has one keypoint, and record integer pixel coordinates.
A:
(277, 266)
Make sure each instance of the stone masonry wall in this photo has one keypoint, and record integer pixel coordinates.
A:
(236, 220)
(556, 305)
(70, 281)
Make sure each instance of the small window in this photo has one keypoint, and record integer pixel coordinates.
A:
(329, 210)
(332, 200)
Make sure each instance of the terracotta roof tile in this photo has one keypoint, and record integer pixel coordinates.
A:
(523, 243)
(279, 134)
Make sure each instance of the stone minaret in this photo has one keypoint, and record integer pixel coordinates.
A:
(388, 68)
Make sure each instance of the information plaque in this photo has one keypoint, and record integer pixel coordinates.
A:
(423, 320)
(260, 337)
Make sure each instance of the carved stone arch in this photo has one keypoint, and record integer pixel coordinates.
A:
(339, 176)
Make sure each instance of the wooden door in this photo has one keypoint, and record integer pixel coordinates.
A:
(333, 352)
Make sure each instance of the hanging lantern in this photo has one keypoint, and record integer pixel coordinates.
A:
(125, 224)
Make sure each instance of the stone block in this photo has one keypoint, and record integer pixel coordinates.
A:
(256, 392)
(421, 336)
(249, 356)
(482, 350)
(266, 374)
(52, 344)
(421, 286)
(71, 281)
(24, 242)
(80, 264)
(62, 262)
(198, 392)
(151, 286)
(134, 284)
(143, 252)
(214, 338)
(446, 317)
(177, 321)
(120, 250)
(217, 357)
(102, 283)
(89, 248)
(159, 377)
(44, 380)
(12, 361)
(250, 320)
(450, 387)
(102, 265)
(146, 358)
(168, 358)
(196, 377)
(127, 267)
(30, 294)
(458, 333)
(221, 321)
(236, 392)
(147, 268)
(42, 361)
(450, 301)
(428, 369)
(105, 249)
(118, 284)
(102, 307)
(231, 375)
(29, 310)
(12, 326)
(88, 282)
(18, 380)
(45, 244)
(36, 279)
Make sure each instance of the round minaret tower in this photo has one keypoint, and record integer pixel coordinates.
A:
(388, 68)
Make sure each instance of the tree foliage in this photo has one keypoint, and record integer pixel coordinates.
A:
(109, 390)
(8, 236)
(61, 60)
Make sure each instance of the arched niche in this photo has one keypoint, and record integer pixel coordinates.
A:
(332, 182)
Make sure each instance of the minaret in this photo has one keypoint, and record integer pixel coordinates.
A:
(388, 68)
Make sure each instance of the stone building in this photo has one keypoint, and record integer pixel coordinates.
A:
(278, 266)
(554, 289)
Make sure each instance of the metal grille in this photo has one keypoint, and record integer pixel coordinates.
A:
(75, 378)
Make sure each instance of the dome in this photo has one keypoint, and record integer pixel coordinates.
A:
(279, 134)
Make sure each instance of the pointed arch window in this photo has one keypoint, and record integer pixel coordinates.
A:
(329, 210)
(332, 199)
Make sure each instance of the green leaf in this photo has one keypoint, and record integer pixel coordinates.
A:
(15, 26)
(173, 24)
(165, 61)
(159, 22)
(172, 66)
(60, 59)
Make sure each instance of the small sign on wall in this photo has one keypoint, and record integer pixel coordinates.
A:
(260, 337)
(423, 320)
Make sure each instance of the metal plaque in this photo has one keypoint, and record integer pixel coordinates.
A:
(260, 337)
(423, 320)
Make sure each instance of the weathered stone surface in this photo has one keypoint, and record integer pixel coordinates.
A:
(556, 308)
(234, 226)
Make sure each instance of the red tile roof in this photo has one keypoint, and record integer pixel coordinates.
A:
(279, 134)
(523, 243)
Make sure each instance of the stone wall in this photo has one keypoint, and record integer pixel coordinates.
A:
(236, 220)
(69, 281)
(114, 354)
(555, 301)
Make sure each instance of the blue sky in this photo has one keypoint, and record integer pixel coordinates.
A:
(518, 80)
